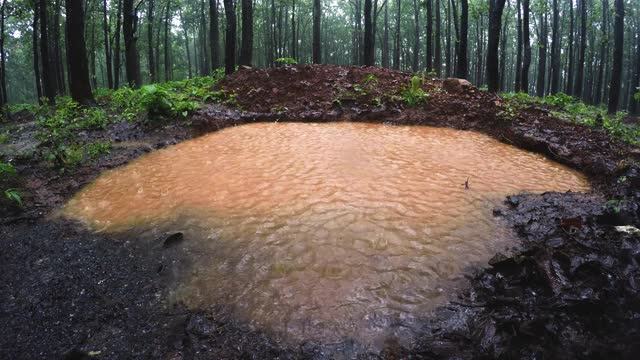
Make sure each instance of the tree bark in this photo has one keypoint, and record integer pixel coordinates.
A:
(634, 104)
(129, 27)
(437, 59)
(396, 42)
(36, 57)
(3, 64)
(570, 56)
(214, 34)
(294, 40)
(167, 44)
(416, 43)
(150, 56)
(48, 72)
(542, 55)
(462, 65)
(205, 67)
(116, 52)
(616, 72)
(230, 40)
(597, 99)
(524, 77)
(495, 18)
(246, 51)
(385, 37)
(578, 87)
(317, 11)
(429, 27)
(77, 54)
(368, 35)
(518, 80)
(107, 47)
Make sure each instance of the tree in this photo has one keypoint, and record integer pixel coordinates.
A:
(577, 89)
(542, 52)
(416, 40)
(48, 72)
(524, 78)
(317, 10)
(555, 49)
(461, 67)
(107, 46)
(570, 55)
(495, 17)
(603, 52)
(230, 40)
(116, 52)
(396, 42)
(214, 34)
(518, 76)
(616, 72)
(150, 56)
(437, 60)
(368, 35)
(77, 54)
(429, 50)
(246, 51)
(129, 28)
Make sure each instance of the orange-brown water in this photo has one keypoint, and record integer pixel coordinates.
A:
(324, 231)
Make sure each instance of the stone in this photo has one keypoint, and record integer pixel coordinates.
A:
(456, 86)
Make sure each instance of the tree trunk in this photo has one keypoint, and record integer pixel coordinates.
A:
(437, 60)
(36, 57)
(167, 44)
(48, 72)
(396, 42)
(152, 65)
(503, 54)
(77, 54)
(495, 18)
(57, 52)
(634, 104)
(616, 73)
(230, 40)
(429, 27)
(524, 78)
(317, 10)
(107, 47)
(116, 51)
(368, 35)
(570, 56)
(518, 82)
(3, 80)
(186, 43)
(246, 51)
(597, 99)
(129, 27)
(205, 67)
(462, 65)
(385, 37)
(555, 50)
(214, 34)
(577, 89)
(542, 55)
(294, 40)
(416, 44)
(447, 53)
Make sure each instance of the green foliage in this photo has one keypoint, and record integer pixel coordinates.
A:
(637, 96)
(414, 94)
(4, 137)
(95, 150)
(6, 168)
(14, 195)
(286, 61)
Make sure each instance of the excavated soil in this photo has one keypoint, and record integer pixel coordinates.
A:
(569, 290)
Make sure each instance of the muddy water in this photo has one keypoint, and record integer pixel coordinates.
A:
(324, 232)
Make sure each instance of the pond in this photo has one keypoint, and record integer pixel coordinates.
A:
(324, 232)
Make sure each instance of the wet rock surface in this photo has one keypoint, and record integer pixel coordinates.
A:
(569, 290)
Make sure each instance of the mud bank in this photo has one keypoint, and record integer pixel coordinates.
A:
(569, 290)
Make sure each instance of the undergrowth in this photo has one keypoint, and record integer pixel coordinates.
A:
(571, 109)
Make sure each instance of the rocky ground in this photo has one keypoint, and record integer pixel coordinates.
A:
(570, 290)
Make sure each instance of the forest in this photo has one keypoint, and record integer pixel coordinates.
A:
(589, 49)
(319, 179)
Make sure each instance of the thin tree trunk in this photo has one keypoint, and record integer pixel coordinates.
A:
(107, 47)
(597, 99)
(555, 50)
(167, 43)
(214, 34)
(462, 64)
(429, 27)
(77, 54)
(317, 11)
(416, 43)
(385, 37)
(186, 43)
(447, 53)
(230, 40)
(542, 55)
(503, 54)
(524, 78)
(3, 80)
(116, 52)
(495, 18)
(57, 53)
(396, 43)
(48, 73)
(368, 35)
(36, 57)
(616, 73)
(578, 88)
(437, 60)
(294, 40)
(151, 58)
(246, 51)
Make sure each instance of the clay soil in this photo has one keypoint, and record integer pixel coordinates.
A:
(569, 289)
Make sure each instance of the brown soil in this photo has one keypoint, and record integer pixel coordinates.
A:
(569, 291)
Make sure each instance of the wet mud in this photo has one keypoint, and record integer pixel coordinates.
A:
(569, 288)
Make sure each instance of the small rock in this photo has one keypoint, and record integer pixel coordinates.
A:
(456, 86)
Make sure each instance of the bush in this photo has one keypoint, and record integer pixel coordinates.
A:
(414, 94)
(286, 61)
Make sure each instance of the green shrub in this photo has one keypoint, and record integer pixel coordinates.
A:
(286, 61)
(414, 94)
(97, 149)
(14, 195)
